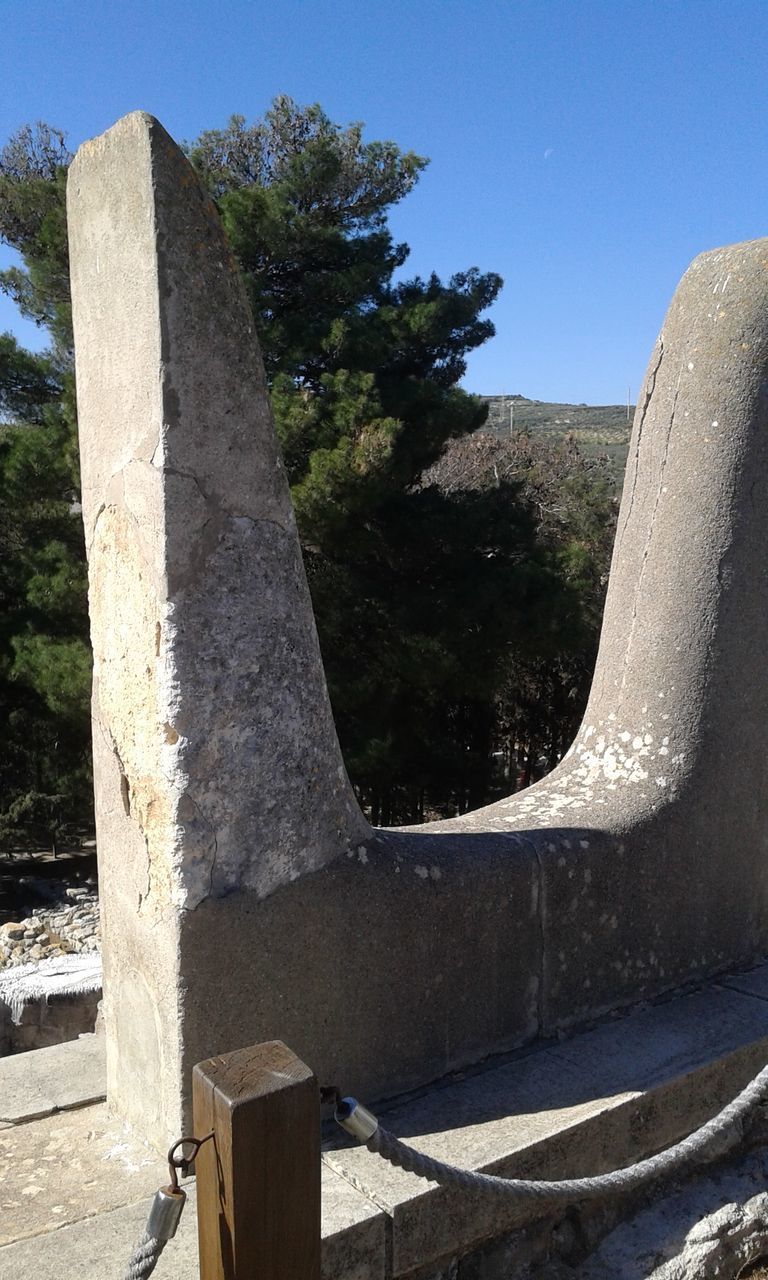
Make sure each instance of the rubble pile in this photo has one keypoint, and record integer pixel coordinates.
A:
(65, 927)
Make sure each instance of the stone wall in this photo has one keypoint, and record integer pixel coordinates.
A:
(64, 924)
(48, 1020)
(67, 927)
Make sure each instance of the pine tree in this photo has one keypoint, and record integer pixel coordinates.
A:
(364, 368)
(44, 656)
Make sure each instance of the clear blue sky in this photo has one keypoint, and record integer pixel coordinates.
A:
(586, 150)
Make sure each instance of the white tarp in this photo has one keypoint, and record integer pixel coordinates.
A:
(60, 976)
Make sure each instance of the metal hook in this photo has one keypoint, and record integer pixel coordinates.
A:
(181, 1164)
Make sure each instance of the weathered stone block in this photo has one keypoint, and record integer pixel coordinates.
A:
(217, 766)
(385, 973)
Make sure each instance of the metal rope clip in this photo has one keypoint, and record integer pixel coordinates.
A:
(355, 1119)
(167, 1206)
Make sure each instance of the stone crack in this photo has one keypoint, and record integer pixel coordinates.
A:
(650, 387)
(651, 522)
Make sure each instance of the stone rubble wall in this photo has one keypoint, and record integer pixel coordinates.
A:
(67, 927)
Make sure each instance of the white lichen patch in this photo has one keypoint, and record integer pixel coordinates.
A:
(606, 758)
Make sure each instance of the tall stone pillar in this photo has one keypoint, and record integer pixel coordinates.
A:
(216, 761)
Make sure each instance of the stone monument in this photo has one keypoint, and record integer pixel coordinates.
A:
(216, 761)
(244, 896)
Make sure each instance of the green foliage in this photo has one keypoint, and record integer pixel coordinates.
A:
(27, 382)
(600, 431)
(363, 370)
(33, 221)
(546, 674)
(434, 618)
(44, 655)
(304, 204)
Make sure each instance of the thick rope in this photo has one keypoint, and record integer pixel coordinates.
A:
(710, 1141)
(144, 1258)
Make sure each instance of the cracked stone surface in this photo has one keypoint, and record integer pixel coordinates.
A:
(53, 1167)
(216, 759)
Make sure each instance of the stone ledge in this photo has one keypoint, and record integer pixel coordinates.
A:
(99, 1246)
(606, 1097)
(43, 1081)
(49, 1002)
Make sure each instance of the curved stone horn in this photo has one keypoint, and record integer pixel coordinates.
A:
(651, 836)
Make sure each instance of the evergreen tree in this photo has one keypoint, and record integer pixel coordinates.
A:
(33, 221)
(544, 683)
(363, 369)
(44, 657)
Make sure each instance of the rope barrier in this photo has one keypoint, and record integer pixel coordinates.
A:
(708, 1142)
(165, 1212)
(144, 1258)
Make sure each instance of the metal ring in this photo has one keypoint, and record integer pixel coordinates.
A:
(175, 1163)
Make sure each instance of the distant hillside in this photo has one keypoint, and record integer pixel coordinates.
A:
(598, 429)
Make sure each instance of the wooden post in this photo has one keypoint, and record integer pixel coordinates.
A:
(258, 1180)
